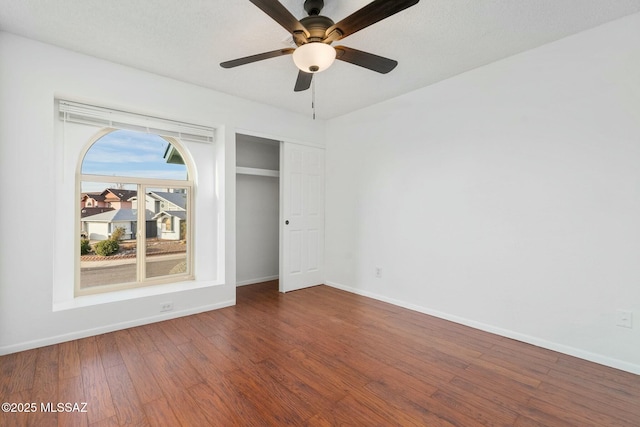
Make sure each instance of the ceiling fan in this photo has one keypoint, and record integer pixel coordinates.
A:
(314, 34)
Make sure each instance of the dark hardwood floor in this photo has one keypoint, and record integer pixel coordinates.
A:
(318, 356)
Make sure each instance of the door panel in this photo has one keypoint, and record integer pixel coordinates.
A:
(314, 242)
(295, 252)
(302, 222)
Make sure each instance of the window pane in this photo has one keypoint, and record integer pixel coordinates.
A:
(166, 232)
(108, 224)
(134, 154)
(133, 230)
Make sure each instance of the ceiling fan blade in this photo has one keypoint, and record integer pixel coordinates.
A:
(255, 58)
(364, 59)
(281, 15)
(303, 82)
(368, 15)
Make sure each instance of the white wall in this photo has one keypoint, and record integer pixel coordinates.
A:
(506, 198)
(257, 211)
(257, 236)
(31, 76)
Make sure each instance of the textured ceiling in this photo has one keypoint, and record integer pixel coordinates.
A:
(187, 39)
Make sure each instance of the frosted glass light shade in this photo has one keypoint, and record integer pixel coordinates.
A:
(314, 57)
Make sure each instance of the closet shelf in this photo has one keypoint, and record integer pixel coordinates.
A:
(256, 171)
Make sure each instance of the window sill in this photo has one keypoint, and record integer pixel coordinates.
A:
(130, 294)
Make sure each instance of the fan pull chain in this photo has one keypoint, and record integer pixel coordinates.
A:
(313, 98)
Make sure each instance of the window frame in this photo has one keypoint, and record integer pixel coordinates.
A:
(142, 184)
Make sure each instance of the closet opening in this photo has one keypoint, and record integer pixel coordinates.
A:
(257, 211)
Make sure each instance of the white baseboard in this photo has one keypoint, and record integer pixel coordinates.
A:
(28, 345)
(539, 342)
(258, 280)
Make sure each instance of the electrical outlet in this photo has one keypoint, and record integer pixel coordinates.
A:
(624, 318)
(167, 306)
(378, 272)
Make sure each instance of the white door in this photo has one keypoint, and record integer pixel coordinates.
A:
(301, 216)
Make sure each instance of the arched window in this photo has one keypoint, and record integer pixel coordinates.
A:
(140, 183)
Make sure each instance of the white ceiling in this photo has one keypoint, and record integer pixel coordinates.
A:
(187, 39)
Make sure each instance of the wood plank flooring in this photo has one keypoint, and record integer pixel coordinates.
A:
(318, 357)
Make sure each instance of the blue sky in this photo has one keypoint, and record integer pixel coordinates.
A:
(128, 153)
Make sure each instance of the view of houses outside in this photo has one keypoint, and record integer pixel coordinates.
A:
(111, 229)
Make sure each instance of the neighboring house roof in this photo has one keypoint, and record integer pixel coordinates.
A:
(98, 197)
(178, 199)
(84, 212)
(172, 155)
(118, 215)
(121, 194)
(177, 214)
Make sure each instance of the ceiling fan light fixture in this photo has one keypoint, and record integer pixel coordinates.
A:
(314, 57)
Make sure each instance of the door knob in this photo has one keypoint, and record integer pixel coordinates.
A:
(287, 222)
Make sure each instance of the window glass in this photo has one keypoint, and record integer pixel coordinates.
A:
(166, 248)
(134, 154)
(135, 204)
